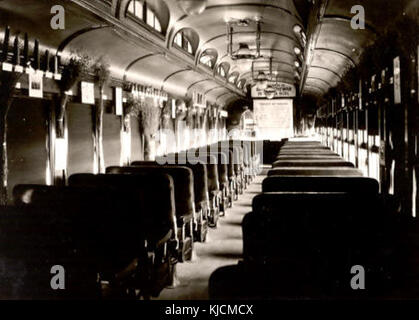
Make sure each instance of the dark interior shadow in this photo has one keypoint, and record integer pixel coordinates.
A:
(244, 204)
(233, 223)
(227, 255)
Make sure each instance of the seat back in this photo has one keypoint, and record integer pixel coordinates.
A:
(222, 165)
(100, 220)
(200, 176)
(183, 181)
(237, 159)
(32, 241)
(308, 157)
(312, 163)
(156, 202)
(320, 234)
(320, 184)
(213, 179)
(315, 171)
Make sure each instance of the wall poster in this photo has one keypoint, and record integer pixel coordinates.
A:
(274, 119)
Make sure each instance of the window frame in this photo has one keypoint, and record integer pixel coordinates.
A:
(221, 68)
(144, 18)
(212, 60)
(186, 44)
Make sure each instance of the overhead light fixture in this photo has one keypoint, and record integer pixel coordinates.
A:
(297, 28)
(297, 64)
(297, 50)
(261, 80)
(192, 7)
(243, 22)
(243, 52)
(270, 92)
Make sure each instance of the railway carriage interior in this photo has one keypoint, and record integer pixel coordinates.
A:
(209, 149)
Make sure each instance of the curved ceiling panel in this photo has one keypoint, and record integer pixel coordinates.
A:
(186, 78)
(273, 40)
(325, 74)
(313, 90)
(278, 40)
(374, 18)
(314, 82)
(215, 92)
(94, 41)
(139, 55)
(333, 60)
(245, 65)
(225, 99)
(338, 46)
(275, 15)
(337, 35)
(152, 70)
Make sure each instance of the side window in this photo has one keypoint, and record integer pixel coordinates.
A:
(141, 11)
(178, 39)
(221, 71)
(182, 41)
(208, 58)
(232, 78)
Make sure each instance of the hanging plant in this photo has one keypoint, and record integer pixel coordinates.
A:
(101, 71)
(128, 111)
(78, 67)
(148, 116)
(101, 75)
(166, 114)
(149, 122)
(8, 82)
(130, 106)
(146, 112)
(181, 110)
(190, 117)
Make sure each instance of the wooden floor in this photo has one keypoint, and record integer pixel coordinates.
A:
(224, 246)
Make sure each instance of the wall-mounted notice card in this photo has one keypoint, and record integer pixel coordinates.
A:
(36, 84)
(118, 101)
(87, 93)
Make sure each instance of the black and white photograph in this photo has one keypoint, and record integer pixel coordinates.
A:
(209, 155)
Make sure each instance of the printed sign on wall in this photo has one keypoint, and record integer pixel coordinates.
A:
(283, 90)
(118, 101)
(274, 118)
(87, 93)
(36, 84)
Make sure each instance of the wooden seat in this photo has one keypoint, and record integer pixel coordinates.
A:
(312, 163)
(184, 200)
(320, 184)
(315, 171)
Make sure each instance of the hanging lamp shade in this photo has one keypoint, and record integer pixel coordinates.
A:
(261, 80)
(192, 7)
(243, 50)
(270, 92)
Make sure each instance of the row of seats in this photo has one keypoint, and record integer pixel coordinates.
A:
(316, 218)
(119, 234)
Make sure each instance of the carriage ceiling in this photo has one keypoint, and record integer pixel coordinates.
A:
(137, 54)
